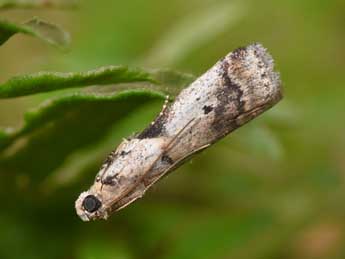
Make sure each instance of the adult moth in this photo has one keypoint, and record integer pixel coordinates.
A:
(235, 90)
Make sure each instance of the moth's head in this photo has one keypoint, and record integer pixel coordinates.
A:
(119, 178)
(103, 197)
(90, 206)
(109, 186)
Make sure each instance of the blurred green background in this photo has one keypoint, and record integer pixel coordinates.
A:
(273, 189)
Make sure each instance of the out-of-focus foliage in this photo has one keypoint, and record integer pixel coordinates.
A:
(25, 4)
(272, 189)
(45, 31)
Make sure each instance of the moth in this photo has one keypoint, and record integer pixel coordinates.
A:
(235, 90)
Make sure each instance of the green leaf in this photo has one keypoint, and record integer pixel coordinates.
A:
(45, 31)
(62, 125)
(50, 81)
(26, 4)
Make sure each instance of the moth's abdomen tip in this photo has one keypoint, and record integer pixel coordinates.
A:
(263, 56)
(252, 68)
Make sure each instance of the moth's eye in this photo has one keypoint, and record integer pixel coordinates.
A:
(91, 203)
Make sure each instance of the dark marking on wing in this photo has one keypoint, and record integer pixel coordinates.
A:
(229, 97)
(109, 181)
(207, 109)
(124, 153)
(156, 129)
(167, 159)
